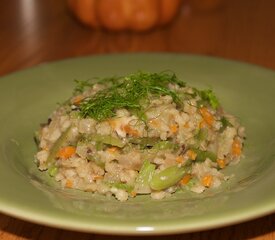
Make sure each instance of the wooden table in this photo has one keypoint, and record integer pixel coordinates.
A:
(36, 31)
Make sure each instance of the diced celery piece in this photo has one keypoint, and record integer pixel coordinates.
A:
(123, 186)
(106, 139)
(167, 177)
(59, 142)
(201, 135)
(144, 142)
(53, 171)
(164, 145)
(144, 177)
(202, 155)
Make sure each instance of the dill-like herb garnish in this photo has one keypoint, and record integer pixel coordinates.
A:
(81, 85)
(210, 97)
(128, 92)
(207, 98)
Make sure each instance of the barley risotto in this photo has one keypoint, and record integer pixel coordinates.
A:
(144, 133)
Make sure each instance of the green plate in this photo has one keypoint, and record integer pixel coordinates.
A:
(29, 96)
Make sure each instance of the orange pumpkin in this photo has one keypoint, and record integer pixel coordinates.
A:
(137, 15)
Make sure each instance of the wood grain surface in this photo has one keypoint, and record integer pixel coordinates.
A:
(39, 31)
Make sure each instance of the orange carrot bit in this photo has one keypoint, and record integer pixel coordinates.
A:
(154, 122)
(236, 148)
(202, 124)
(133, 132)
(112, 123)
(98, 177)
(191, 154)
(173, 128)
(207, 116)
(69, 183)
(133, 194)
(112, 150)
(186, 178)
(207, 180)
(221, 163)
(179, 159)
(66, 152)
(77, 100)
(186, 125)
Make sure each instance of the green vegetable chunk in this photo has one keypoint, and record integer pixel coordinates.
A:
(144, 142)
(57, 145)
(123, 186)
(225, 123)
(164, 145)
(144, 177)
(210, 97)
(52, 171)
(201, 135)
(202, 155)
(167, 177)
(105, 139)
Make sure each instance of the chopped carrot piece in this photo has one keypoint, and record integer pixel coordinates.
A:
(133, 194)
(202, 124)
(221, 163)
(112, 123)
(66, 152)
(112, 149)
(236, 148)
(154, 122)
(186, 125)
(186, 178)
(128, 129)
(179, 159)
(207, 180)
(207, 116)
(173, 128)
(69, 183)
(77, 100)
(97, 177)
(191, 154)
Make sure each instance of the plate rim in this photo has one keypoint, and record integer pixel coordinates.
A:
(51, 221)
